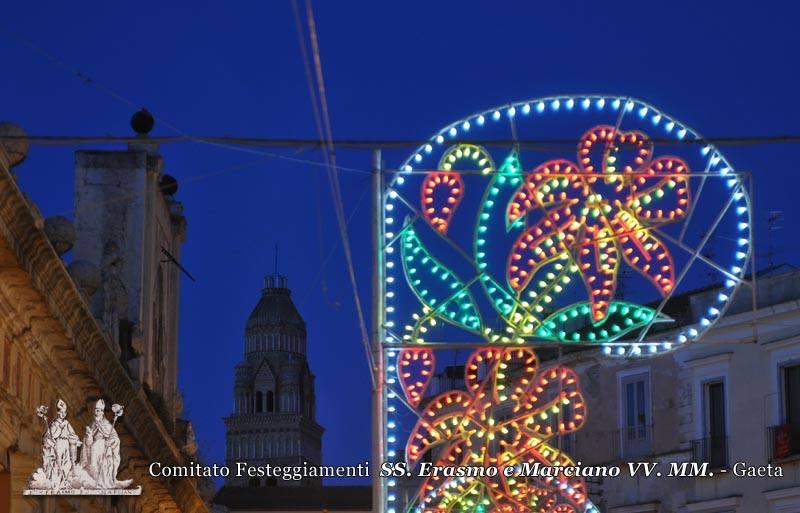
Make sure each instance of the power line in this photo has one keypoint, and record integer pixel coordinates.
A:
(201, 177)
(370, 144)
(312, 93)
(52, 59)
(92, 82)
(323, 123)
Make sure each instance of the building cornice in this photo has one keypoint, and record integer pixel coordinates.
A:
(709, 360)
(649, 507)
(782, 493)
(780, 344)
(715, 505)
(21, 232)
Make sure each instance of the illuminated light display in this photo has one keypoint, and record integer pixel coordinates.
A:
(622, 318)
(439, 215)
(538, 254)
(415, 371)
(599, 228)
(509, 412)
(440, 291)
(442, 190)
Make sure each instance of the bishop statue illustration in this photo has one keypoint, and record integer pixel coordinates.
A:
(63, 472)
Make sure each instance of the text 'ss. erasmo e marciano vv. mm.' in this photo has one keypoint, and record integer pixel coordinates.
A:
(535, 469)
(401, 469)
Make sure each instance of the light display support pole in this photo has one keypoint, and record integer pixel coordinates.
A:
(378, 295)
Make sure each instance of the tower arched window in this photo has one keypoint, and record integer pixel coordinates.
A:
(259, 402)
(270, 401)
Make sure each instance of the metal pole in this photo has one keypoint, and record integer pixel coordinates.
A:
(378, 420)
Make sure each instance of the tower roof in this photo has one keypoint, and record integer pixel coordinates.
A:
(275, 309)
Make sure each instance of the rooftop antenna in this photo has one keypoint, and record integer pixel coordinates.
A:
(275, 280)
(774, 223)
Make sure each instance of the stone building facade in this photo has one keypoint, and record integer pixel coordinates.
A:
(273, 421)
(91, 330)
(138, 299)
(130, 243)
(733, 397)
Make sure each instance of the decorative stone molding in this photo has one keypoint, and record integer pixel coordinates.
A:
(46, 291)
(649, 507)
(715, 506)
(784, 500)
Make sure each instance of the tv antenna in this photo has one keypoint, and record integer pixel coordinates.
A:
(774, 222)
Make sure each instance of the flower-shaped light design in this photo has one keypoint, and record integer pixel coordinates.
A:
(506, 416)
(600, 211)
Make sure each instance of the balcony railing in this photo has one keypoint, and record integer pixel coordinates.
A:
(712, 450)
(601, 447)
(783, 441)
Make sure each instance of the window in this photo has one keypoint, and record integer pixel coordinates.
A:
(791, 394)
(270, 401)
(791, 410)
(636, 432)
(714, 446)
(259, 402)
(255, 482)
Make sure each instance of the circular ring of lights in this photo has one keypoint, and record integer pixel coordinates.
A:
(538, 112)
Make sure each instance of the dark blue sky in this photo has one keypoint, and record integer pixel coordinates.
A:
(393, 70)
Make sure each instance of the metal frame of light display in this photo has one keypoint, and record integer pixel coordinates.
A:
(493, 250)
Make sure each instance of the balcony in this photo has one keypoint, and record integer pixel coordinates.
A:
(783, 442)
(712, 450)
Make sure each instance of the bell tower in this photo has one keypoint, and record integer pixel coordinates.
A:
(274, 417)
